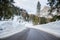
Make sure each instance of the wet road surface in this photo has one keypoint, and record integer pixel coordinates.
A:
(32, 34)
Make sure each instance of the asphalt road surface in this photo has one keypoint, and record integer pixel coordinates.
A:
(32, 34)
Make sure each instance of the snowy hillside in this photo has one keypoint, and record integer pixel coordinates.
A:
(8, 28)
(52, 28)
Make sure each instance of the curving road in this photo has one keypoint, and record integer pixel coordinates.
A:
(32, 34)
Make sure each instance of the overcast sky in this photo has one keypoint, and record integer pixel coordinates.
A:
(29, 5)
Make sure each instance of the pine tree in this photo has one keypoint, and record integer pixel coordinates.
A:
(57, 5)
(51, 4)
(6, 9)
(54, 4)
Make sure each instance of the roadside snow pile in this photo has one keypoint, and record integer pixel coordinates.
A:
(8, 28)
(5, 25)
(53, 28)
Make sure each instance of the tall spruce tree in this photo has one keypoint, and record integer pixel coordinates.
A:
(38, 11)
(38, 8)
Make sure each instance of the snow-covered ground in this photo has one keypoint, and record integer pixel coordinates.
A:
(8, 28)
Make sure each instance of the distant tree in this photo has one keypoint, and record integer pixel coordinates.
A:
(27, 17)
(42, 20)
(35, 20)
(38, 8)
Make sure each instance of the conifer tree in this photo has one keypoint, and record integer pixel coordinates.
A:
(6, 9)
(38, 8)
(57, 5)
(51, 4)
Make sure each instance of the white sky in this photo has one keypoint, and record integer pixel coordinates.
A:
(29, 5)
